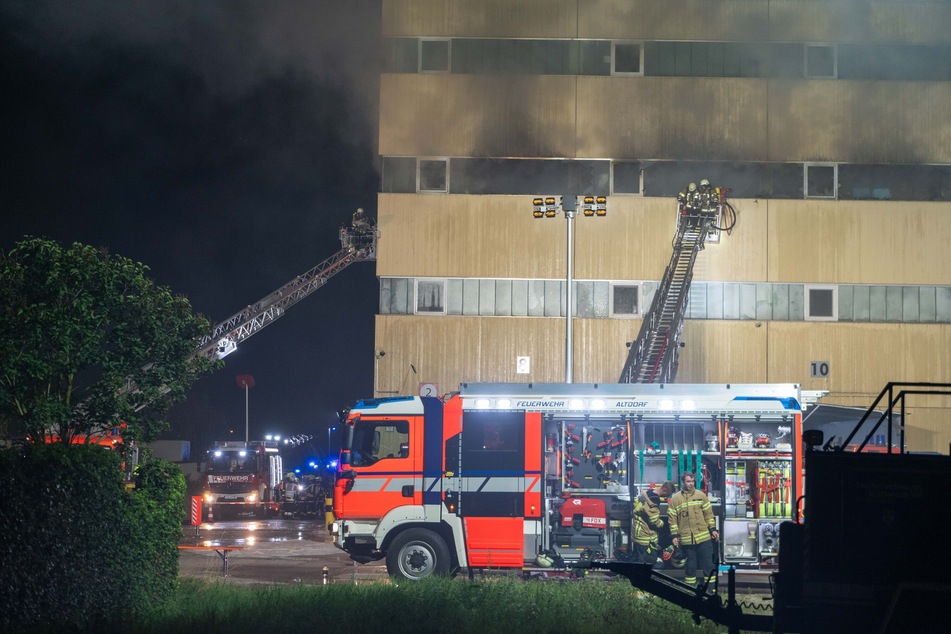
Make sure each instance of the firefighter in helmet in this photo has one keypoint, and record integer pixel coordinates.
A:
(288, 486)
(692, 527)
(647, 521)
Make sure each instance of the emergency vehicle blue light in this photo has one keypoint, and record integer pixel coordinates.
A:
(376, 402)
(788, 402)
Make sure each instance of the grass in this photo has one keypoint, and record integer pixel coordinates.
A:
(505, 605)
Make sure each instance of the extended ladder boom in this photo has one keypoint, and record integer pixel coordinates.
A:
(357, 244)
(654, 355)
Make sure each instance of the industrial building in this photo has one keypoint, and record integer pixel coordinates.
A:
(828, 122)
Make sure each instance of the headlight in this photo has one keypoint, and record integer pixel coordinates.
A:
(253, 497)
(209, 497)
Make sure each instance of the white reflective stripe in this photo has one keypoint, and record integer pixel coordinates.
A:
(367, 483)
(506, 484)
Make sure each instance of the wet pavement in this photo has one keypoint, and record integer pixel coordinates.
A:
(272, 551)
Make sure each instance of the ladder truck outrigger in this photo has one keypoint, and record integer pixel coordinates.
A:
(245, 475)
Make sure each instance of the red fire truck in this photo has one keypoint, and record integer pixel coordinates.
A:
(241, 476)
(524, 475)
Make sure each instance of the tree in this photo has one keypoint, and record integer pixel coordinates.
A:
(90, 343)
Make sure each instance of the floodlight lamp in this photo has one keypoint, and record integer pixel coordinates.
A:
(588, 211)
(538, 213)
(549, 213)
(550, 201)
(601, 212)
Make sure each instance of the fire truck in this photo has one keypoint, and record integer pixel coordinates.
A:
(240, 477)
(523, 476)
(110, 439)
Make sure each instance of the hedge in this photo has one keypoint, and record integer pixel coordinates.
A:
(79, 548)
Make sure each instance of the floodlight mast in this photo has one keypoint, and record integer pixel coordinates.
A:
(569, 203)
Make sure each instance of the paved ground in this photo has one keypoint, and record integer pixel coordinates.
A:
(272, 552)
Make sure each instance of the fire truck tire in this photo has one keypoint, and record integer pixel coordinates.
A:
(417, 553)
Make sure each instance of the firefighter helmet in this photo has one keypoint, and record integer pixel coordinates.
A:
(667, 553)
(679, 558)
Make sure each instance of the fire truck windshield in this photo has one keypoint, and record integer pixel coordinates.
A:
(374, 440)
(230, 462)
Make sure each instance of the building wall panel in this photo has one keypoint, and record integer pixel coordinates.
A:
(477, 115)
(497, 237)
(717, 20)
(733, 20)
(688, 118)
(859, 122)
(481, 18)
(665, 118)
(854, 242)
(860, 21)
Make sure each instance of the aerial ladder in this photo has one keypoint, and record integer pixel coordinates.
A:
(357, 244)
(654, 355)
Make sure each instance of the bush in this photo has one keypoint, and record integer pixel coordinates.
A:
(78, 548)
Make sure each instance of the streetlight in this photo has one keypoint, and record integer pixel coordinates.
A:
(546, 208)
(329, 430)
(247, 382)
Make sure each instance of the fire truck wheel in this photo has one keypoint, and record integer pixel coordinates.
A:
(417, 553)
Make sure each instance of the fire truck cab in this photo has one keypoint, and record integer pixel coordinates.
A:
(523, 476)
(241, 476)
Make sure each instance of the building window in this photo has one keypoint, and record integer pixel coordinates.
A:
(820, 61)
(820, 180)
(399, 174)
(625, 300)
(431, 297)
(433, 175)
(434, 56)
(626, 177)
(821, 302)
(626, 58)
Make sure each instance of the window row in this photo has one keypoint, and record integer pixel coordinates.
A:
(533, 177)
(921, 62)
(597, 299)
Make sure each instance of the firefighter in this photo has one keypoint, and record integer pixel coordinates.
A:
(288, 486)
(692, 526)
(360, 222)
(647, 521)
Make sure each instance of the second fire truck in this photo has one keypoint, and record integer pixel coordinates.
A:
(532, 475)
(241, 477)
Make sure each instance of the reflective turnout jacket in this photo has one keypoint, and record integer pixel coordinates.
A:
(691, 517)
(646, 519)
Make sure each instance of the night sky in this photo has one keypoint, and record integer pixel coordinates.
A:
(221, 144)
